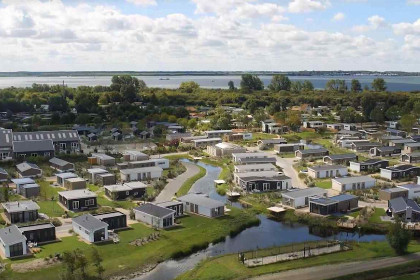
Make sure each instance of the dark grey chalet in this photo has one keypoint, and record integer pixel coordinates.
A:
(35, 148)
(123, 191)
(22, 211)
(61, 165)
(175, 205)
(39, 233)
(115, 220)
(78, 200)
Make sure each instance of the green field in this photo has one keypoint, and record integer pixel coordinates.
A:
(193, 233)
(324, 184)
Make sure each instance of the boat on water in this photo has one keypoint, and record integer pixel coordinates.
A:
(164, 79)
(233, 195)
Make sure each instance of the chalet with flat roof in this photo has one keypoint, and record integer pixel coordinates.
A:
(202, 205)
(343, 159)
(370, 165)
(386, 151)
(39, 233)
(267, 144)
(311, 153)
(400, 142)
(253, 158)
(217, 133)
(254, 168)
(300, 198)
(262, 181)
(336, 204)
(412, 189)
(313, 124)
(101, 159)
(28, 170)
(177, 136)
(327, 171)
(411, 148)
(78, 200)
(364, 147)
(22, 211)
(399, 172)
(134, 156)
(335, 126)
(288, 148)
(396, 132)
(90, 228)
(21, 182)
(352, 183)
(115, 220)
(61, 177)
(174, 205)
(93, 172)
(391, 193)
(155, 215)
(29, 190)
(201, 143)
(141, 174)
(411, 157)
(75, 183)
(224, 149)
(61, 165)
(126, 190)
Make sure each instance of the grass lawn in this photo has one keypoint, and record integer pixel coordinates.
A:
(179, 156)
(324, 184)
(194, 232)
(262, 136)
(50, 208)
(228, 266)
(376, 217)
(47, 191)
(103, 201)
(183, 190)
(287, 155)
(331, 147)
(261, 201)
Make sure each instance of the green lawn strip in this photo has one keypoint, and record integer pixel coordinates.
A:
(47, 191)
(287, 155)
(324, 184)
(261, 201)
(229, 267)
(262, 136)
(50, 208)
(179, 156)
(327, 143)
(183, 190)
(195, 232)
(103, 201)
(376, 217)
(386, 272)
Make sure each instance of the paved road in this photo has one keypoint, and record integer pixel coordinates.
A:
(173, 186)
(287, 165)
(337, 270)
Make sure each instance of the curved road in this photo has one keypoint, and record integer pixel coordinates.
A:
(337, 270)
(173, 186)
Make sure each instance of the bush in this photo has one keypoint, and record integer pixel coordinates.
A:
(56, 222)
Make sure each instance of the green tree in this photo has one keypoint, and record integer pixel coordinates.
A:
(407, 122)
(379, 84)
(5, 190)
(127, 86)
(398, 237)
(192, 123)
(307, 85)
(231, 85)
(81, 262)
(97, 262)
(377, 115)
(296, 86)
(259, 116)
(250, 83)
(356, 86)
(368, 102)
(58, 103)
(189, 86)
(69, 261)
(336, 85)
(393, 113)
(280, 82)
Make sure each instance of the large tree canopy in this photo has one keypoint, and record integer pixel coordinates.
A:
(127, 86)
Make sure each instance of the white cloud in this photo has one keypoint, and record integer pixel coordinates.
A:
(405, 28)
(305, 6)
(375, 22)
(143, 2)
(413, 2)
(338, 17)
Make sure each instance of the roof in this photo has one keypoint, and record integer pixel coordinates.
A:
(394, 190)
(366, 144)
(141, 169)
(305, 192)
(59, 162)
(403, 167)
(394, 130)
(264, 166)
(273, 141)
(135, 185)
(324, 201)
(373, 161)
(267, 174)
(109, 215)
(11, 235)
(76, 194)
(28, 186)
(33, 146)
(313, 151)
(24, 166)
(251, 155)
(102, 156)
(266, 159)
(169, 203)
(201, 200)
(58, 135)
(289, 145)
(342, 156)
(35, 227)
(355, 179)
(66, 175)
(409, 186)
(23, 181)
(416, 154)
(402, 141)
(154, 210)
(75, 179)
(207, 140)
(19, 206)
(96, 171)
(134, 153)
(226, 145)
(326, 167)
(412, 144)
(399, 204)
(388, 148)
(89, 222)
(6, 137)
(117, 188)
(218, 131)
(343, 197)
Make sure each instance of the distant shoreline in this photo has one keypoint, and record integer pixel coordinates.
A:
(204, 73)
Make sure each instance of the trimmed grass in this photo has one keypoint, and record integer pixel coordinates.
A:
(183, 190)
(179, 156)
(261, 201)
(324, 184)
(228, 267)
(376, 217)
(331, 147)
(50, 208)
(103, 201)
(195, 232)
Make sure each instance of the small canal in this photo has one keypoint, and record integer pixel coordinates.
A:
(268, 234)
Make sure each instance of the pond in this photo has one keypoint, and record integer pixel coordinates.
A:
(268, 234)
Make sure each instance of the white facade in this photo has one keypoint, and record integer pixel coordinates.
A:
(141, 174)
(334, 171)
(413, 190)
(161, 162)
(152, 220)
(386, 173)
(86, 234)
(353, 183)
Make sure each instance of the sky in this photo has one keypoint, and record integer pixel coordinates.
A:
(198, 35)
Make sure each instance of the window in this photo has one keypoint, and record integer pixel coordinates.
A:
(90, 202)
(75, 204)
(266, 186)
(34, 155)
(47, 154)
(16, 249)
(167, 222)
(127, 193)
(62, 146)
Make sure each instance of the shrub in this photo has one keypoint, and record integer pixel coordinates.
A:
(56, 222)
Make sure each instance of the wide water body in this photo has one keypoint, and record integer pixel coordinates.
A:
(394, 83)
(268, 234)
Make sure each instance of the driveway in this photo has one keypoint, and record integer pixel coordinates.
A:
(337, 270)
(287, 165)
(173, 186)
